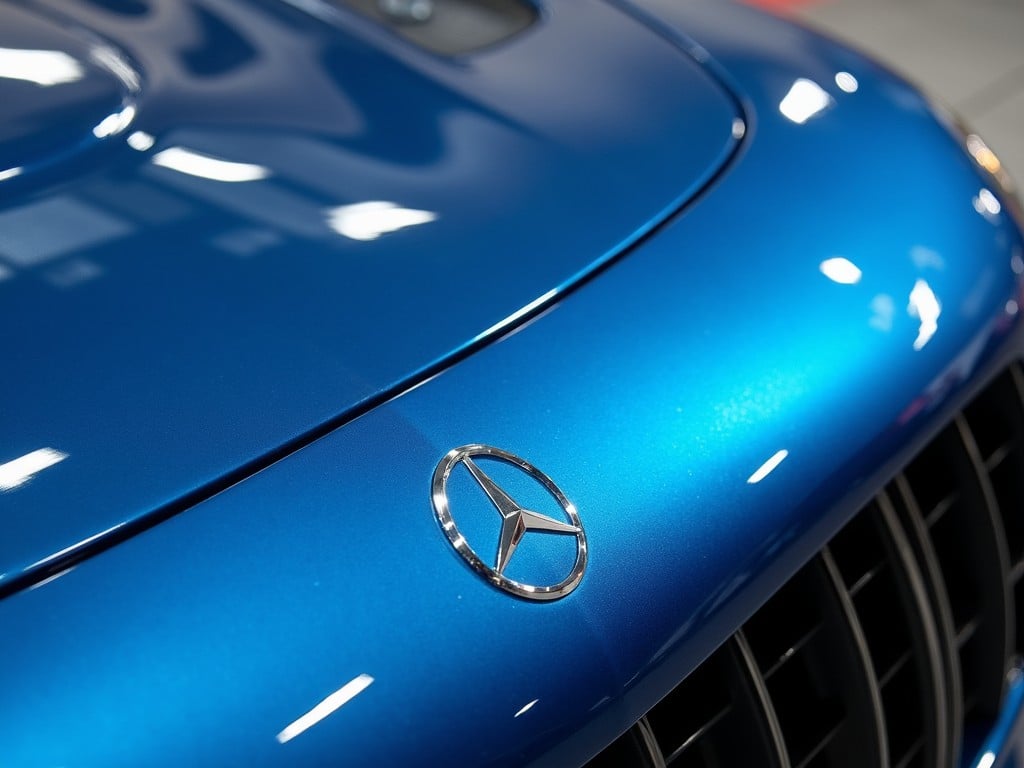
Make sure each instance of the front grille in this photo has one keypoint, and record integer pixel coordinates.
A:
(892, 643)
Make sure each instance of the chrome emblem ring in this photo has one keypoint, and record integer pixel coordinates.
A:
(516, 522)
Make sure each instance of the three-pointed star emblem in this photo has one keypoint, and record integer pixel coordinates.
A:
(516, 521)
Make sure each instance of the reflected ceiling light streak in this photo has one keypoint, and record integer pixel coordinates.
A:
(847, 82)
(77, 545)
(768, 467)
(22, 469)
(518, 314)
(805, 99)
(986, 202)
(44, 68)
(10, 173)
(841, 270)
(118, 65)
(328, 706)
(194, 163)
(526, 709)
(369, 220)
(140, 140)
(987, 760)
(114, 124)
(49, 579)
(926, 308)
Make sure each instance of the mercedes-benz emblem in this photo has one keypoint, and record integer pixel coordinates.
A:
(516, 522)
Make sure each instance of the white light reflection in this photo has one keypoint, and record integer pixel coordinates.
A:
(114, 124)
(44, 68)
(840, 270)
(369, 220)
(55, 576)
(10, 173)
(926, 308)
(518, 314)
(847, 82)
(76, 546)
(986, 202)
(24, 468)
(194, 163)
(526, 709)
(805, 99)
(739, 129)
(115, 63)
(768, 467)
(328, 706)
(987, 760)
(982, 155)
(140, 140)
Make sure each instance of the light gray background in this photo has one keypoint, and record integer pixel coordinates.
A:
(969, 53)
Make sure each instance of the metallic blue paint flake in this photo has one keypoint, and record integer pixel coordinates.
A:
(717, 386)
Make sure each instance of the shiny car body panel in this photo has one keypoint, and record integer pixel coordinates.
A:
(716, 403)
(215, 277)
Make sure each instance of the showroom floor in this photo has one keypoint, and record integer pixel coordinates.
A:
(970, 53)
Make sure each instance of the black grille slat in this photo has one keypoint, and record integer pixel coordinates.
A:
(899, 507)
(936, 513)
(999, 455)
(881, 648)
(795, 648)
(865, 580)
(823, 693)
(718, 716)
(899, 631)
(699, 703)
(880, 609)
(971, 550)
(762, 699)
(887, 674)
(996, 419)
(630, 750)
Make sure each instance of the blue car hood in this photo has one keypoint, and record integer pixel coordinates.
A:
(225, 227)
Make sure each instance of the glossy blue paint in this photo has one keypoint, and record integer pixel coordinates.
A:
(651, 394)
(1004, 747)
(57, 87)
(293, 218)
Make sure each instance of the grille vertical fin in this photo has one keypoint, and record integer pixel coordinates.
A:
(1000, 602)
(911, 522)
(941, 739)
(771, 719)
(867, 668)
(634, 749)
(816, 669)
(952, 491)
(996, 420)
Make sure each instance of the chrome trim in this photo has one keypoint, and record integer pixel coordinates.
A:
(516, 521)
